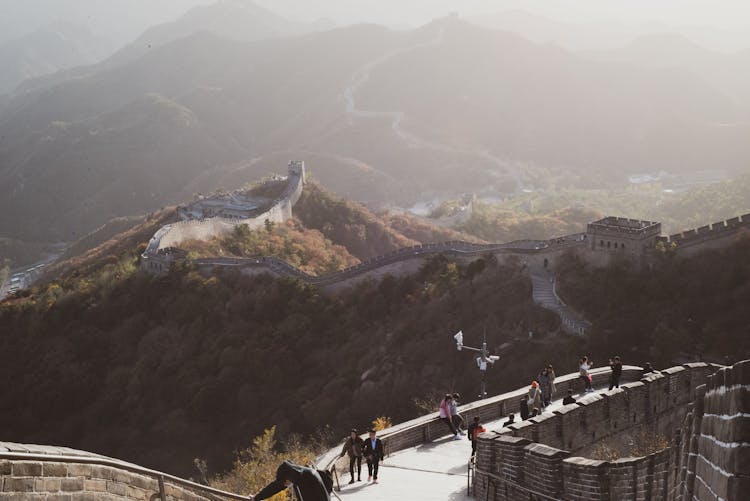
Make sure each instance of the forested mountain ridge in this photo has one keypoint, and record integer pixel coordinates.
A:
(206, 362)
(185, 117)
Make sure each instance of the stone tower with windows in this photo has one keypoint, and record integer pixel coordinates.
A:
(616, 237)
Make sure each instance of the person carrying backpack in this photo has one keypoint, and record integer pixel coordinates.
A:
(312, 484)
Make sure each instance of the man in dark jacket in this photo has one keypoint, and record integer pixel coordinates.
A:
(614, 377)
(373, 452)
(307, 481)
(353, 447)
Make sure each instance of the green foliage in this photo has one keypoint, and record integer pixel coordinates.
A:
(306, 249)
(161, 370)
(564, 207)
(256, 465)
(348, 224)
(681, 309)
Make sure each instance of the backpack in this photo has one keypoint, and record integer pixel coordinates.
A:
(327, 479)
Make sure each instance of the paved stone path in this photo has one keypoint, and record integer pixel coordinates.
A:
(429, 472)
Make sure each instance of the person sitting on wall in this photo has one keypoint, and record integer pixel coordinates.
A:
(569, 398)
(311, 484)
(511, 420)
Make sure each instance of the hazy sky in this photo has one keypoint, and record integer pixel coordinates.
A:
(123, 20)
(718, 13)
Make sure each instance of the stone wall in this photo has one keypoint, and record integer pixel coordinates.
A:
(716, 235)
(154, 260)
(715, 447)
(709, 459)
(84, 477)
(427, 428)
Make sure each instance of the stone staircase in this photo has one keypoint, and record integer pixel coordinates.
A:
(544, 294)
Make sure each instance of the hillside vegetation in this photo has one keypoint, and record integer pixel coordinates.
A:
(680, 309)
(162, 370)
(306, 249)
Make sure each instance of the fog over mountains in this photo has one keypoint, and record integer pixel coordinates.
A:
(229, 92)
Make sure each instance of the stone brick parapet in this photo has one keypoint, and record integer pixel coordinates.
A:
(63, 474)
(705, 409)
(428, 428)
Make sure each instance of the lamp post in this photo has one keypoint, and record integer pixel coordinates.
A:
(482, 360)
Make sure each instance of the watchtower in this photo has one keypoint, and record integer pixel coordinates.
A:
(612, 237)
(297, 168)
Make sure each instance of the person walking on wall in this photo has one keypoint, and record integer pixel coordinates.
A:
(475, 428)
(456, 418)
(584, 375)
(553, 388)
(545, 386)
(444, 411)
(374, 454)
(614, 377)
(534, 398)
(353, 447)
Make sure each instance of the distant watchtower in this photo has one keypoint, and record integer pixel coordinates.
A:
(297, 168)
(617, 236)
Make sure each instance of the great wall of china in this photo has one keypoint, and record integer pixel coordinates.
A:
(604, 240)
(704, 409)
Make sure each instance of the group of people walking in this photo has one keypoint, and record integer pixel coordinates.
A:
(539, 395)
(317, 484)
(357, 448)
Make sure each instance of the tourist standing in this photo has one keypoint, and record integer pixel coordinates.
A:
(584, 368)
(456, 418)
(353, 447)
(551, 375)
(475, 428)
(545, 386)
(616, 367)
(444, 411)
(523, 408)
(374, 454)
(534, 398)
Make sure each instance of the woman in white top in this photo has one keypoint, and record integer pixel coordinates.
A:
(584, 374)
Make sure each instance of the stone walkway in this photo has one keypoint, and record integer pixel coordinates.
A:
(544, 294)
(430, 472)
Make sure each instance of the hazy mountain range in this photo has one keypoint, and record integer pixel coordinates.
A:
(49, 49)
(231, 91)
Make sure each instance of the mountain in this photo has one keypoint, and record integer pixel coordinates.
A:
(240, 20)
(381, 116)
(161, 370)
(727, 71)
(47, 50)
(573, 36)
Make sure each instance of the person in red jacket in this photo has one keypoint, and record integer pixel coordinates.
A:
(475, 428)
